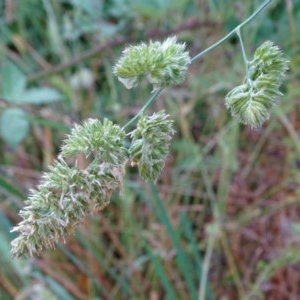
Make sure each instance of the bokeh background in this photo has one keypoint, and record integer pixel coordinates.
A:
(56, 60)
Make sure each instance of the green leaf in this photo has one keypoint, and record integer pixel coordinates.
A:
(14, 126)
(13, 82)
(40, 96)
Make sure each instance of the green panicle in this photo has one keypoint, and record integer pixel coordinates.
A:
(150, 144)
(104, 140)
(162, 63)
(251, 102)
(67, 195)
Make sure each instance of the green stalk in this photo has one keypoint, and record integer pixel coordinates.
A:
(246, 62)
(232, 265)
(216, 44)
(206, 264)
(148, 103)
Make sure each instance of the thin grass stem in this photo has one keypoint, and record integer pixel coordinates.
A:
(246, 62)
(216, 44)
(148, 103)
(206, 264)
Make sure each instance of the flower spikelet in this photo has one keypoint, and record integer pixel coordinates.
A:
(162, 63)
(250, 102)
(103, 140)
(67, 195)
(150, 144)
(268, 60)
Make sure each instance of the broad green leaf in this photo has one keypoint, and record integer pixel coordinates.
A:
(14, 126)
(13, 82)
(40, 96)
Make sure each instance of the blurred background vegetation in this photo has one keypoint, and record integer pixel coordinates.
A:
(56, 59)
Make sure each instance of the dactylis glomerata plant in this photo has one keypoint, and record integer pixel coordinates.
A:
(66, 195)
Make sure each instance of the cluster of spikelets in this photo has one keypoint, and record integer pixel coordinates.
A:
(150, 144)
(67, 195)
(162, 63)
(252, 101)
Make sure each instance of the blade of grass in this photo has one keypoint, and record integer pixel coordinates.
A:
(183, 262)
(223, 239)
(187, 228)
(228, 144)
(160, 272)
(81, 265)
(10, 189)
(5, 224)
(54, 286)
(205, 270)
(94, 250)
(11, 276)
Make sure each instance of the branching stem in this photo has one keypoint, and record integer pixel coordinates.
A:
(236, 30)
(147, 104)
